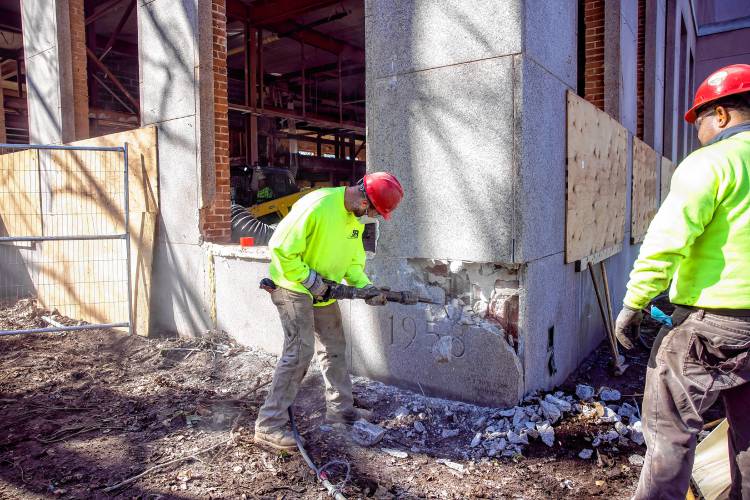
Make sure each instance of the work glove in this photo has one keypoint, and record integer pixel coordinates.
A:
(315, 284)
(628, 326)
(377, 300)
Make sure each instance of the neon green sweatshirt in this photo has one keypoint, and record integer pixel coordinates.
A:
(701, 234)
(318, 233)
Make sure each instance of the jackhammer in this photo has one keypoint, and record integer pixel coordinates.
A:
(338, 291)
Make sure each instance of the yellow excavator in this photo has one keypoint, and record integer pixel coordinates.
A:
(275, 191)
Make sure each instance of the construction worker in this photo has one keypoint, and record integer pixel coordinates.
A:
(321, 237)
(700, 240)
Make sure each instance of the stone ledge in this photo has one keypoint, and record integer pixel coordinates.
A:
(237, 252)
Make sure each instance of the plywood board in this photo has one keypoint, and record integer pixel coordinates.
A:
(596, 181)
(20, 210)
(84, 195)
(644, 198)
(667, 170)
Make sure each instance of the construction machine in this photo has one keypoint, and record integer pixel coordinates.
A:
(271, 194)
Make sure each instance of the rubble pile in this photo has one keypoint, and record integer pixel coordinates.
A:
(492, 432)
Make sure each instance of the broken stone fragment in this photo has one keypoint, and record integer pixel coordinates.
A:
(584, 392)
(551, 412)
(531, 430)
(608, 394)
(419, 427)
(636, 432)
(401, 412)
(449, 433)
(560, 403)
(636, 460)
(627, 411)
(508, 412)
(515, 438)
(621, 428)
(609, 416)
(609, 436)
(586, 453)
(477, 439)
(546, 433)
(366, 434)
(452, 465)
(394, 453)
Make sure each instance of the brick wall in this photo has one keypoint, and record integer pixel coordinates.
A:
(593, 37)
(640, 66)
(78, 53)
(215, 223)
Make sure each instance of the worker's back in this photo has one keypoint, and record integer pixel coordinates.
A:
(707, 218)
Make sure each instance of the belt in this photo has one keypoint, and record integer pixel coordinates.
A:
(735, 313)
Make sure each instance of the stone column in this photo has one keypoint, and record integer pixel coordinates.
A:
(176, 94)
(49, 79)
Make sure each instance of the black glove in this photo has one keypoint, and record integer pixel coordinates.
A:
(628, 326)
(377, 300)
(315, 284)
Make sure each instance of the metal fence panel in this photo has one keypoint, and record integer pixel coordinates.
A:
(64, 223)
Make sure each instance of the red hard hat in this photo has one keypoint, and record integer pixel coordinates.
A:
(729, 80)
(384, 192)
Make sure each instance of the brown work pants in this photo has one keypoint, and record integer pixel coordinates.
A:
(702, 357)
(306, 329)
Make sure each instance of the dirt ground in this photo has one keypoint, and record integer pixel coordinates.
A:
(85, 411)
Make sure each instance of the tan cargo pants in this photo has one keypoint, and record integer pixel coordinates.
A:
(702, 357)
(306, 329)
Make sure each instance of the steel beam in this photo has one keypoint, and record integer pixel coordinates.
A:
(118, 29)
(102, 10)
(310, 118)
(281, 10)
(115, 81)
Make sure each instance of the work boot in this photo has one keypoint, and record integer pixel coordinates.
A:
(348, 416)
(280, 439)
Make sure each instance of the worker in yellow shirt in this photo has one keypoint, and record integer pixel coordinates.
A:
(700, 241)
(321, 237)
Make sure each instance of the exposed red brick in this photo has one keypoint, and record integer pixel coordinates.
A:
(215, 220)
(593, 37)
(78, 53)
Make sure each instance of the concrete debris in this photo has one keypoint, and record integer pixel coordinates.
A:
(636, 460)
(627, 411)
(567, 484)
(586, 453)
(531, 430)
(547, 433)
(560, 403)
(325, 428)
(366, 434)
(237, 469)
(394, 453)
(636, 432)
(551, 412)
(452, 465)
(401, 413)
(419, 427)
(607, 394)
(477, 439)
(508, 413)
(609, 436)
(597, 442)
(520, 438)
(585, 392)
(449, 433)
(610, 416)
(621, 428)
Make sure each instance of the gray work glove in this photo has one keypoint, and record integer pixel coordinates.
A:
(377, 300)
(315, 284)
(628, 326)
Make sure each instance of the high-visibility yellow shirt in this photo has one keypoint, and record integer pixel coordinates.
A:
(700, 237)
(318, 233)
